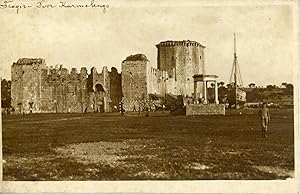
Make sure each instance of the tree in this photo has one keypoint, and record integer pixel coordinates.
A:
(5, 93)
(284, 84)
(221, 84)
(230, 86)
(289, 89)
(251, 85)
(223, 92)
(270, 87)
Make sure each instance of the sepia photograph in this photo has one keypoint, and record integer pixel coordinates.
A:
(132, 91)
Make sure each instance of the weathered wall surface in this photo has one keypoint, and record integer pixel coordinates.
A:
(57, 90)
(205, 109)
(182, 60)
(134, 81)
(61, 91)
(159, 82)
(101, 86)
(115, 89)
(26, 84)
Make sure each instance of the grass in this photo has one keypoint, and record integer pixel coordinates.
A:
(134, 147)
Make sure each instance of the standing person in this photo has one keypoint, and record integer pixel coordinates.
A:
(121, 108)
(134, 109)
(139, 108)
(265, 119)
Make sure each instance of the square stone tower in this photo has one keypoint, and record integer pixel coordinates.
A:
(135, 81)
(26, 75)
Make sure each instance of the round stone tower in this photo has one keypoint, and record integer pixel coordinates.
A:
(182, 60)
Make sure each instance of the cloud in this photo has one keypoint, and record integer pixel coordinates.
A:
(89, 38)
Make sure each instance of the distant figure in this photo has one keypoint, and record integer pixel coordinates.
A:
(202, 100)
(85, 110)
(265, 119)
(153, 107)
(134, 109)
(147, 112)
(69, 110)
(122, 110)
(30, 107)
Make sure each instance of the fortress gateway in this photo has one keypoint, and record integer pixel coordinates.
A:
(40, 89)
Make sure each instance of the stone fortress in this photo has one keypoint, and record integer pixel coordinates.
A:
(180, 70)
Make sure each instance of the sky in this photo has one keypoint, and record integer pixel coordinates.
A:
(266, 38)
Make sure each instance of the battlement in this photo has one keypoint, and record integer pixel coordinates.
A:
(61, 71)
(159, 74)
(179, 43)
(55, 88)
(59, 89)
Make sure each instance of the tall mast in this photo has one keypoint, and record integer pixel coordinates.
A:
(235, 78)
(235, 71)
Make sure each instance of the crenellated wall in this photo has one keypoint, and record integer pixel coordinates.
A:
(55, 89)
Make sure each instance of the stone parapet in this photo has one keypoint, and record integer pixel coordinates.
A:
(179, 43)
(205, 109)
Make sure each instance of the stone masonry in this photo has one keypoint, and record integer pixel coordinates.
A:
(38, 88)
(182, 60)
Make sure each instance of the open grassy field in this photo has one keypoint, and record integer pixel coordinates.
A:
(134, 147)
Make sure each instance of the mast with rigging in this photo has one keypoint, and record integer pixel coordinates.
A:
(236, 79)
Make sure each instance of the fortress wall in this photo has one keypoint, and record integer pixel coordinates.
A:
(115, 89)
(26, 85)
(55, 89)
(83, 93)
(58, 90)
(72, 92)
(102, 99)
(134, 82)
(153, 81)
(160, 83)
(47, 102)
(171, 86)
(102, 78)
(16, 86)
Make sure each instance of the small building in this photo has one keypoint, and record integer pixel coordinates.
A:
(201, 105)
